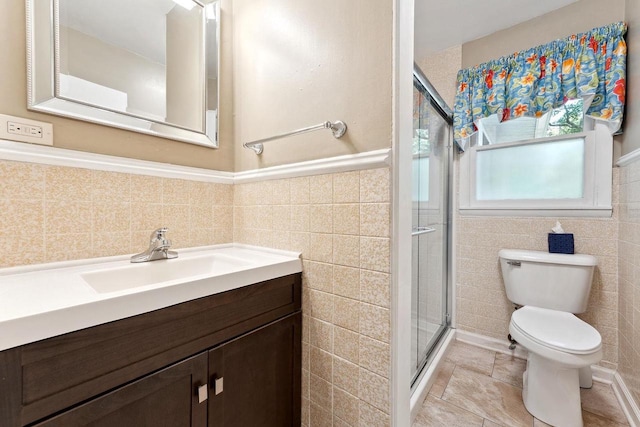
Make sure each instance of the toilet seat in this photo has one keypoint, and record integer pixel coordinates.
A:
(556, 330)
(561, 350)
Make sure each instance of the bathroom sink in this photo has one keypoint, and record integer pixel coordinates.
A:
(46, 300)
(155, 272)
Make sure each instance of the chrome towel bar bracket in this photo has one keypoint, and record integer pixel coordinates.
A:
(338, 128)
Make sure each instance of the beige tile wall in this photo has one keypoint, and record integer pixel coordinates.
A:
(441, 69)
(629, 279)
(482, 305)
(51, 213)
(340, 223)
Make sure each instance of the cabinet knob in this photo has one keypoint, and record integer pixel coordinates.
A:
(203, 394)
(218, 385)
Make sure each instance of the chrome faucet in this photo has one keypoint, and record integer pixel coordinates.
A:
(158, 248)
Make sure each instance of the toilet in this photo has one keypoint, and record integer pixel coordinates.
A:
(550, 288)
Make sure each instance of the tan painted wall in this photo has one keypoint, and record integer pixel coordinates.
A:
(111, 66)
(578, 17)
(212, 94)
(297, 66)
(185, 79)
(82, 136)
(300, 63)
(631, 137)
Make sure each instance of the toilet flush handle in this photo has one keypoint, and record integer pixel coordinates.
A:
(514, 263)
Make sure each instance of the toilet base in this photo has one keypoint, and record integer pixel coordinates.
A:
(551, 392)
(586, 377)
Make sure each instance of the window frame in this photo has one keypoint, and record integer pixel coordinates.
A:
(596, 200)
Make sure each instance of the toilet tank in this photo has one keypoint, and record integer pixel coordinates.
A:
(541, 279)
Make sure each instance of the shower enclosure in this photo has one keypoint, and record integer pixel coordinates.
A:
(430, 219)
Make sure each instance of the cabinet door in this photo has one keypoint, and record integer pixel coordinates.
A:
(255, 379)
(166, 398)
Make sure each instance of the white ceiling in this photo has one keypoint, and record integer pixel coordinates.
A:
(137, 26)
(440, 24)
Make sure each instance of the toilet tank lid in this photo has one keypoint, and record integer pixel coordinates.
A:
(546, 257)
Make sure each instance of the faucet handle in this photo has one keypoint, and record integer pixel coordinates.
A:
(159, 234)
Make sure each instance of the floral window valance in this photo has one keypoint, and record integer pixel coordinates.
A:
(590, 65)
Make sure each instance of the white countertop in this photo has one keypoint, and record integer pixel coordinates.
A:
(45, 300)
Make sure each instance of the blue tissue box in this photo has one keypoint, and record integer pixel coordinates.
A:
(561, 243)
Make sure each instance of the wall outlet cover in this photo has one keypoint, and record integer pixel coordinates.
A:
(25, 130)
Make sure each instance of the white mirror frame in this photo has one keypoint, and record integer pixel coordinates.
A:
(42, 78)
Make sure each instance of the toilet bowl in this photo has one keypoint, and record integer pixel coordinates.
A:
(562, 348)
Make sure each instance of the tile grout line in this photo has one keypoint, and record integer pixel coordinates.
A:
(466, 409)
(493, 366)
(456, 365)
(453, 404)
(448, 379)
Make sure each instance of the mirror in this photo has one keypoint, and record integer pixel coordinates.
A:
(149, 66)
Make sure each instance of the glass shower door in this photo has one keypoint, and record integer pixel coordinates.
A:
(430, 227)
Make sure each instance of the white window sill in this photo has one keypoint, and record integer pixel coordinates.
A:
(604, 212)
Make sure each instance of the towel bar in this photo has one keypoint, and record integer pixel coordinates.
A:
(338, 128)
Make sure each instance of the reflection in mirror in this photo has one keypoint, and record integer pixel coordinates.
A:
(144, 65)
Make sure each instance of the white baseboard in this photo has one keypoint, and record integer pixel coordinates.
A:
(600, 374)
(429, 376)
(628, 404)
(494, 344)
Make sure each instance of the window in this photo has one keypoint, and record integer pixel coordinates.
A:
(567, 119)
(541, 170)
(553, 171)
(564, 120)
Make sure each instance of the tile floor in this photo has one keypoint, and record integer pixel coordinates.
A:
(479, 387)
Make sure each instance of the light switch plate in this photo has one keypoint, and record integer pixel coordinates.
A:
(25, 130)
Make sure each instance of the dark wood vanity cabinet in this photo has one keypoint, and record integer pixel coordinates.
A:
(230, 359)
(165, 398)
(258, 388)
